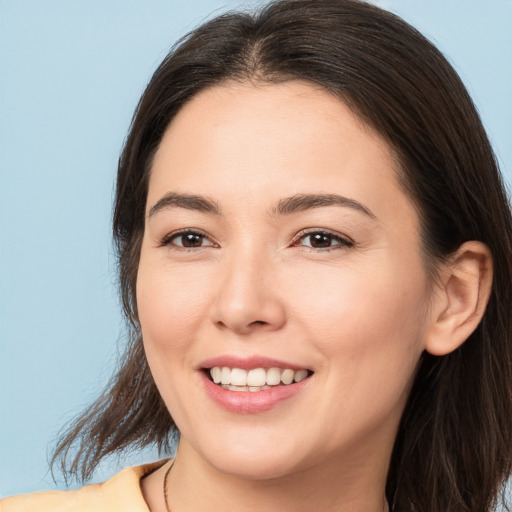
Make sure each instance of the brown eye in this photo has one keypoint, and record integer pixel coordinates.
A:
(188, 240)
(323, 240)
(191, 240)
(320, 240)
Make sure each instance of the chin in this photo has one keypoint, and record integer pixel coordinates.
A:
(261, 468)
(253, 462)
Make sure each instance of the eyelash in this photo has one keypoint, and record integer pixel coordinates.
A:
(168, 240)
(341, 242)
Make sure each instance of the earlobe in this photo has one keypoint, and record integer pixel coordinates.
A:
(461, 298)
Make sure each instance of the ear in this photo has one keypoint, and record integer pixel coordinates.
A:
(460, 298)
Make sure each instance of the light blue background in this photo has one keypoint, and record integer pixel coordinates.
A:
(71, 74)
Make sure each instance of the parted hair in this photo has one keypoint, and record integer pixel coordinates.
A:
(453, 450)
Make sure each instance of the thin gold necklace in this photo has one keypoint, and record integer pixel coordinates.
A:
(165, 489)
(165, 486)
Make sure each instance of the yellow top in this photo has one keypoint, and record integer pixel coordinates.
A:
(121, 493)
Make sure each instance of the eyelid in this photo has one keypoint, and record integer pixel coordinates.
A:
(167, 239)
(344, 240)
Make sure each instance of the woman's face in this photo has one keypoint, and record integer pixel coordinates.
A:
(279, 245)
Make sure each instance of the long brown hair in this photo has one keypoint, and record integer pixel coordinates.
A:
(453, 451)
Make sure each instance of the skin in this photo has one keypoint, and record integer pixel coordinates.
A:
(358, 312)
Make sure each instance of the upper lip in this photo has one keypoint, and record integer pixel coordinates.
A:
(248, 363)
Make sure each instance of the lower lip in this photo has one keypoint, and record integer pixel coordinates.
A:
(251, 402)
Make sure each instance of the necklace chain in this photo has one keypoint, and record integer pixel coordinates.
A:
(165, 489)
(165, 486)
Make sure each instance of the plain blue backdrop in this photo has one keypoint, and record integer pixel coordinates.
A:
(71, 74)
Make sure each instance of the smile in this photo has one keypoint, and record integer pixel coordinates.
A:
(252, 384)
(256, 379)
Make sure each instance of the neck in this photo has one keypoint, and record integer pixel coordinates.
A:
(194, 485)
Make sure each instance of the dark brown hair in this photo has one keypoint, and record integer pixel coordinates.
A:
(453, 450)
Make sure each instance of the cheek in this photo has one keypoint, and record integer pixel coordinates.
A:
(369, 300)
(371, 339)
(170, 306)
(369, 325)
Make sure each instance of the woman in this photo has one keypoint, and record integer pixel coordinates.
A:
(308, 217)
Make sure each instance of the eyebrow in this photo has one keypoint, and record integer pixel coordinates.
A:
(187, 201)
(302, 202)
(286, 206)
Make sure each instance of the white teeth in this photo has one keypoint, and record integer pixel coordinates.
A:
(273, 376)
(300, 375)
(216, 373)
(257, 379)
(225, 376)
(287, 376)
(238, 377)
(244, 388)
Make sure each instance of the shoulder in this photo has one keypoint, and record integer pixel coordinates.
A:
(121, 493)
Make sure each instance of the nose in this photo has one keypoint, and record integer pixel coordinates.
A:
(247, 298)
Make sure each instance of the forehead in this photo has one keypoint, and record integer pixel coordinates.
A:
(244, 140)
(273, 116)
